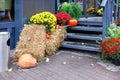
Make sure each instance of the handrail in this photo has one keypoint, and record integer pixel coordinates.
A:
(104, 2)
(107, 15)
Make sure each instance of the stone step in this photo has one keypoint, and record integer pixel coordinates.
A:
(84, 36)
(80, 46)
(85, 28)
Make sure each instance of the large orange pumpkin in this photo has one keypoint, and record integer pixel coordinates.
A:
(27, 61)
(73, 22)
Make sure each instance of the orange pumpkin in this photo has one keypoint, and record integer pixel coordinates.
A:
(47, 36)
(73, 22)
(57, 26)
(27, 61)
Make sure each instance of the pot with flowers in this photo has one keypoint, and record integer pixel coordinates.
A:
(62, 18)
(73, 9)
(110, 47)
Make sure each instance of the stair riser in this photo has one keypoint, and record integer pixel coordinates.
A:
(77, 28)
(89, 23)
(83, 37)
(80, 47)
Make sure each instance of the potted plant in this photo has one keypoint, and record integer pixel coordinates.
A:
(117, 4)
(62, 18)
(110, 47)
(72, 9)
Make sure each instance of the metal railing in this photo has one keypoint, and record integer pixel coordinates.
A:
(107, 6)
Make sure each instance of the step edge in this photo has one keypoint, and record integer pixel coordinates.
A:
(79, 47)
(83, 37)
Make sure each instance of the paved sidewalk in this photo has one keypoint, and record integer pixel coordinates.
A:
(66, 65)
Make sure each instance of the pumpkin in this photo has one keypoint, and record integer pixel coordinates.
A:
(73, 22)
(47, 36)
(118, 20)
(57, 26)
(27, 61)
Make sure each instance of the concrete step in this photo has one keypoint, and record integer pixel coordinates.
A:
(80, 46)
(85, 28)
(90, 23)
(84, 36)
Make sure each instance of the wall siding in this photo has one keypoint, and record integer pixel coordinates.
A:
(31, 7)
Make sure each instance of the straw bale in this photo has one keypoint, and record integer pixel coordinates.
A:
(57, 37)
(32, 40)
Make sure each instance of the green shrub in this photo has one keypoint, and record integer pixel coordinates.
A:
(72, 9)
(113, 31)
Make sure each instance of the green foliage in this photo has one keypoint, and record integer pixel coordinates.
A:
(104, 57)
(116, 56)
(72, 9)
(113, 31)
(111, 44)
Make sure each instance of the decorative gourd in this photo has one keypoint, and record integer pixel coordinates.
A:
(27, 61)
(73, 22)
(47, 36)
(57, 26)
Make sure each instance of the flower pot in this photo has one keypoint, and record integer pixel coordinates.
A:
(5, 4)
(118, 20)
(116, 62)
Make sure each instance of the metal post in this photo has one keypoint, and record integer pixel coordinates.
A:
(4, 50)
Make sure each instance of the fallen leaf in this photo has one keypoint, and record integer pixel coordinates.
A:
(10, 69)
(72, 56)
(83, 43)
(47, 60)
(92, 65)
(64, 63)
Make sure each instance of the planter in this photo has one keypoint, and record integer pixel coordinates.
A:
(118, 20)
(116, 62)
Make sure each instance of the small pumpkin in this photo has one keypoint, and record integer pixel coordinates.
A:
(27, 61)
(57, 26)
(47, 36)
(73, 22)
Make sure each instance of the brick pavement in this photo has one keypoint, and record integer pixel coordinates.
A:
(63, 66)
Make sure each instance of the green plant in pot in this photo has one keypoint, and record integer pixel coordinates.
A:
(113, 31)
(72, 9)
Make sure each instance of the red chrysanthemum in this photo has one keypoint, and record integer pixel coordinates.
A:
(62, 18)
(110, 46)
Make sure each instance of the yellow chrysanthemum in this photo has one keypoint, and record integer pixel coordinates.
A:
(44, 18)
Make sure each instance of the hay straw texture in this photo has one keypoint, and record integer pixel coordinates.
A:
(57, 37)
(32, 41)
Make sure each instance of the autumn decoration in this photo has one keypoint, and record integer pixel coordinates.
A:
(27, 61)
(41, 37)
(73, 22)
(62, 18)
